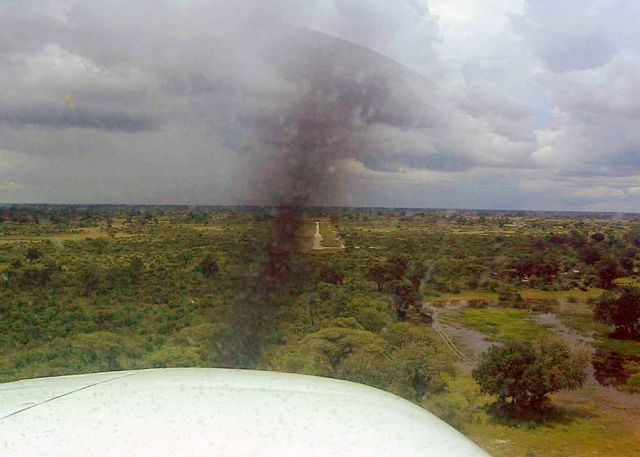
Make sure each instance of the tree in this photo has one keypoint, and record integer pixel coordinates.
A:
(421, 366)
(36, 277)
(397, 266)
(545, 268)
(522, 374)
(379, 274)
(589, 255)
(89, 278)
(208, 266)
(607, 271)
(597, 237)
(198, 216)
(134, 270)
(405, 296)
(627, 264)
(33, 254)
(331, 346)
(623, 311)
(417, 272)
(332, 274)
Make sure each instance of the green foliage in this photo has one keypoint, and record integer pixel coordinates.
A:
(332, 274)
(621, 310)
(524, 373)
(634, 382)
(334, 344)
(607, 271)
(404, 359)
(379, 274)
(89, 278)
(81, 353)
(502, 324)
(419, 367)
(404, 294)
(174, 356)
(372, 318)
(142, 298)
(208, 266)
(401, 334)
(33, 254)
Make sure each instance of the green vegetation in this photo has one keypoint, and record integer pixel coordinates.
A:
(522, 374)
(502, 324)
(622, 311)
(87, 289)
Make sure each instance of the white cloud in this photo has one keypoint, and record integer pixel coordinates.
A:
(598, 192)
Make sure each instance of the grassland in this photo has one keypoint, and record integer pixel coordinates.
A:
(502, 324)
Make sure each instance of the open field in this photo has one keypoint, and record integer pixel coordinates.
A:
(94, 289)
(502, 324)
(526, 293)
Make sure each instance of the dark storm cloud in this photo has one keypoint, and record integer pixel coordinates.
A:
(73, 118)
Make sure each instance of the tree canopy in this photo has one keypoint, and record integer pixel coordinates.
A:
(522, 374)
(621, 310)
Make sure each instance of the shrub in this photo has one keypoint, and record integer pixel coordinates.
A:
(175, 356)
(208, 266)
(634, 382)
(332, 274)
(33, 254)
(419, 368)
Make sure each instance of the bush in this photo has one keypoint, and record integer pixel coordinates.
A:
(332, 274)
(372, 319)
(405, 361)
(175, 356)
(82, 353)
(33, 254)
(419, 368)
(208, 266)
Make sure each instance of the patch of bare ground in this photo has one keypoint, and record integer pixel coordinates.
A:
(471, 343)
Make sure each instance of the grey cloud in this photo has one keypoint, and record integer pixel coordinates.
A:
(570, 35)
(170, 92)
(440, 161)
(74, 118)
(584, 52)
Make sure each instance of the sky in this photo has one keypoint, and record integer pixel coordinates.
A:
(490, 104)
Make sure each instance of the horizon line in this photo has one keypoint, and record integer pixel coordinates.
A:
(328, 207)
